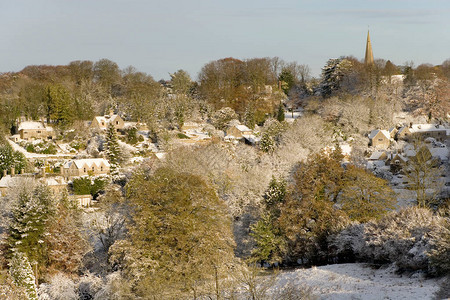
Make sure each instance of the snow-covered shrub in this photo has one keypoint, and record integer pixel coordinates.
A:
(60, 287)
(440, 254)
(89, 286)
(22, 274)
(8, 289)
(292, 291)
(116, 287)
(407, 237)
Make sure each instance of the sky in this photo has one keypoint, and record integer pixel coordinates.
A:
(161, 37)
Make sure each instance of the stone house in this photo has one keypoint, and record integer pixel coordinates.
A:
(423, 131)
(88, 166)
(32, 130)
(379, 138)
(102, 122)
(239, 131)
(403, 133)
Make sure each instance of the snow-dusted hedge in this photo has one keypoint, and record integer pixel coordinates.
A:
(413, 238)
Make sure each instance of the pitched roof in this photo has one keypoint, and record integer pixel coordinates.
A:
(373, 133)
(31, 125)
(376, 155)
(79, 163)
(427, 127)
(242, 128)
(442, 153)
(402, 129)
(106, 119)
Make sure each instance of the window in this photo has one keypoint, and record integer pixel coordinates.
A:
(38, 131)
(93, 169)
(380, 140)
(117, 122)
(101, 168)
(103, 123)
(84, 170)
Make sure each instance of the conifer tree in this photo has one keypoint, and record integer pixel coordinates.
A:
(113, 151)
(22, 274)
(10, 158)
(280, 113)
(270, 242)
(29, 223)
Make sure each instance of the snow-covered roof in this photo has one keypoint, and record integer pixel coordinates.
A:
(376, 155)
(373, 133)
(89, 162)
(252, 138)
(242, 128)
(442, 153)
(50, 181)
(399, 156)
(31, 125)
(426, 127)
(106, 119)
(101, 119)
(410, 153)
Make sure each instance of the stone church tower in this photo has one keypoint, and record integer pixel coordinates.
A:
(369, 55)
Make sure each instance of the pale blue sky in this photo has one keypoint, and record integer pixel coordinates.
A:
(160, 37)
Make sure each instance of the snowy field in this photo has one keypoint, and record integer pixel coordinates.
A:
(359, 281)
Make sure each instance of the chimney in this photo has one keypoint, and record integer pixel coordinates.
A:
(5, 172)
(22, 171)
(12, 171)
(111, 112)
(43, 171)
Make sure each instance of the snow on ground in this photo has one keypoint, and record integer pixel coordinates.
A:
(359, 281)
(25, 152)
(290, 117)
(29, 155)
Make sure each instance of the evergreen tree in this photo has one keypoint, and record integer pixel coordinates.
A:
(113, 151)
(10, 158)
(287, 80)
(280, 113)
(22, 274)
(275, 195)
(267, 143)
(249, 118)
(332, 75)
(28, 226)
(270, 242)
(59, 105)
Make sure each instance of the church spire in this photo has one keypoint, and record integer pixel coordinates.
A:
(369, 55)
